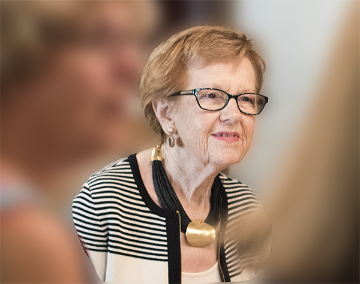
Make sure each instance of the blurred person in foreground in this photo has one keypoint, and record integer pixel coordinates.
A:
(67, 70)
(168, 214)
(315, 205)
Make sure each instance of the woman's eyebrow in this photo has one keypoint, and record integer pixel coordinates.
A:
(209, 85)
(247, 91)
(226, 88)
(216, 86)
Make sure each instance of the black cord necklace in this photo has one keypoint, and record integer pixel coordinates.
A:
(198, 233)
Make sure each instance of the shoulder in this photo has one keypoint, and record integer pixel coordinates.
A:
(111, 179)
(119, 166)
(110, 187)
(233, 185)
(240, 196)
(113, 172)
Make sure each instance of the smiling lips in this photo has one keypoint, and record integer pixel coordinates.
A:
(229, 137)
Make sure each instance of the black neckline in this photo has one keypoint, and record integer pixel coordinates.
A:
(143, 191)
(174, 221)
(167, 212)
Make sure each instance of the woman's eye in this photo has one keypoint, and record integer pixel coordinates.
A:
(211, 96)
(247, 99)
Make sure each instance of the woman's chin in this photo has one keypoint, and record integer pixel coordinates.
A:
(227, 158)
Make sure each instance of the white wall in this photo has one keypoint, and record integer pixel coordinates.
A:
(295, 39)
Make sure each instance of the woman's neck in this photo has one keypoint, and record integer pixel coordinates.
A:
(190, 177)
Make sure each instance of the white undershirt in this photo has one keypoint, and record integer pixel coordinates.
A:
(209, 276)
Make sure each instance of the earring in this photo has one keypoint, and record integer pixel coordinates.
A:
(171, 138)
(171, 141)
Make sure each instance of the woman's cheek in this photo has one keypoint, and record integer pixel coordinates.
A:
(250, 128)
(248, 133)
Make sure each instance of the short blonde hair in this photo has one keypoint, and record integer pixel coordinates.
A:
(166, 70)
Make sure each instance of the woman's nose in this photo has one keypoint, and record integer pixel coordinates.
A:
(231, 112)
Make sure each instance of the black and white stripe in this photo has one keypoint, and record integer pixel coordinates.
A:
(111, 216)
(241, 201)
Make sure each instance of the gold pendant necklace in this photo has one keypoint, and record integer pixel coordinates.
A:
(200, 234)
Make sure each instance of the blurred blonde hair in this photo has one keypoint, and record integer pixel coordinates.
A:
(31, 30)
(166, 70)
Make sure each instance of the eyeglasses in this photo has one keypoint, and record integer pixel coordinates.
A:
(214, 99)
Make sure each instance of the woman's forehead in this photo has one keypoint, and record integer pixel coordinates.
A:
(227, 76)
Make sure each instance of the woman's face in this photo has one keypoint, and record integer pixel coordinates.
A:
(217, 137)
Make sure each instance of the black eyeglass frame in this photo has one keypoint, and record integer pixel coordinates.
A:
(195, 91)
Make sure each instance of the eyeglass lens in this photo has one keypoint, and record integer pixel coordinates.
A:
(215, 100)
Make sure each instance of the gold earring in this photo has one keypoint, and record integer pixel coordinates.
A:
(171, 138)
(156, 154)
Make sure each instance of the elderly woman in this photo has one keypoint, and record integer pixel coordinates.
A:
(168, 214)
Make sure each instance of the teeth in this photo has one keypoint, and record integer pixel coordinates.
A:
(226, 135)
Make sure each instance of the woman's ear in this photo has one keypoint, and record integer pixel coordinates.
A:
(163, 112)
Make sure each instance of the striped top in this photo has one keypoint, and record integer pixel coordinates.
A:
(130, 239)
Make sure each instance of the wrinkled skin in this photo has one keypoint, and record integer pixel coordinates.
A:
(194, 126)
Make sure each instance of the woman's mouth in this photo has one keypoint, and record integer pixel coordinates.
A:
(229, 137)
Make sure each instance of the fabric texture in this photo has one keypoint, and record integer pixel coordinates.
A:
(130, 239)
(211, 275)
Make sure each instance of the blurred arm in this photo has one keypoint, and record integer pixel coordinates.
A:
(37, 248)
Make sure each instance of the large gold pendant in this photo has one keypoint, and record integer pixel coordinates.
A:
(200, 234)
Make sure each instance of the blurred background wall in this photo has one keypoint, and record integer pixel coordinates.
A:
(298, 41)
